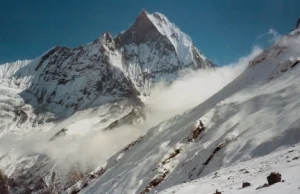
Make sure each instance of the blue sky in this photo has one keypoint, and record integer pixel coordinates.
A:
(222, 30)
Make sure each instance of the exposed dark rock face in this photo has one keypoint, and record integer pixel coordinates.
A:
(84, 182)
(60, 133)
(217, 149)
(246, 184)
(142, 31)
(3, 183)
(217, 192)
(133, 115)
(21, 115)
(42, 176)
(262, 186)
(273, 178)
(70, 78)
(154, 182)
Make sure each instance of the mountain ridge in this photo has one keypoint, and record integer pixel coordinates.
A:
(150, 51)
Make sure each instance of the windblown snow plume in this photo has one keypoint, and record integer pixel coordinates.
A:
(193, 88)
(87, 151)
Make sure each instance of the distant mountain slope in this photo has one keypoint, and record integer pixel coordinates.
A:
(10, 77)
(252, 116)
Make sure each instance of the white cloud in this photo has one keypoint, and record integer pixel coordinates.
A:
(272, 35)
(194, 87)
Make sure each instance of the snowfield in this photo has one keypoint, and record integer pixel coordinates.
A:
(255, 171)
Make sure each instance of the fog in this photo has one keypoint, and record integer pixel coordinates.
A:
(190, 89)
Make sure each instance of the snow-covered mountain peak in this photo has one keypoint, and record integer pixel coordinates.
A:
(104, 43)
(106, 37)
(164, 26)
(154, 49)
(149, 27)
(141, 31)
(182, 42)
(298, 24)
(273, 62)
(143, 13)
(8, 69)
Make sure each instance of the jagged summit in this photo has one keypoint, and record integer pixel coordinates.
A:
(152, 27)
(156, 46)
(141, 31)
(143, 13)
(106, 36)
(298, 24)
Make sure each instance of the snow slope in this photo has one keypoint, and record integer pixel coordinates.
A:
(231, 179)
(9, 69)
(16, 116)
(253, 116)
(182, 42)
(17, 74)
